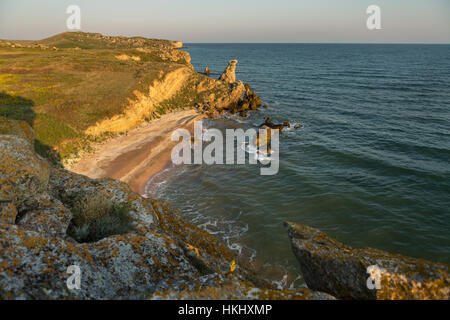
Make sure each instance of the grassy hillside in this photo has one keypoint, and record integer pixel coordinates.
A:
(67, 83)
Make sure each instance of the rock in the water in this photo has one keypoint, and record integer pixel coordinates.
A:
(251, 99)
(229, 75)
(342, 271)
(207, 72)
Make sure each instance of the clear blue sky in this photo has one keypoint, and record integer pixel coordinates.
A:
(233, 20)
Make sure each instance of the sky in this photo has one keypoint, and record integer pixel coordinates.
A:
(335, 21)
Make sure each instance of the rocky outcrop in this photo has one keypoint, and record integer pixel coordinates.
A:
(229, 75)
(161, 257)
(250, 100)
(168, 55)
(342, 271)
(239, 99)
(207, 72)
(241, 291)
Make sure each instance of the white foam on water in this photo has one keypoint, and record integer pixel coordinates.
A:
(263, 157)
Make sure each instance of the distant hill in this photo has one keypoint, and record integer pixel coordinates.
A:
(98, 41)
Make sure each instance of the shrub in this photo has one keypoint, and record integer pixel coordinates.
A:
(96, 217)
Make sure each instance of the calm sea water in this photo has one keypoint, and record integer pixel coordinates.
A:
(370, 165)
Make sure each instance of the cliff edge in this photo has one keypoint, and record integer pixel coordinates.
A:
(76, 89)
(365, 274)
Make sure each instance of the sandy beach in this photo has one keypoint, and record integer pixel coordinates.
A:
(136, 157)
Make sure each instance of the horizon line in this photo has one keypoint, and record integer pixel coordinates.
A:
(238, 42)
(429, 43)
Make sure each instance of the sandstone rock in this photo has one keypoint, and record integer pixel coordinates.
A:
(207, 72)
(177, 44)
(231, 100)
(330, 266)
(229, 75)
(250, 98)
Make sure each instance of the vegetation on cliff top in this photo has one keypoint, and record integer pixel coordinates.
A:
(67, 83)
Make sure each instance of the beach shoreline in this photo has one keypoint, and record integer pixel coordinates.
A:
(139, 155)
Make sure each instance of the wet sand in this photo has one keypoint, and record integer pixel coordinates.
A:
(136, 157)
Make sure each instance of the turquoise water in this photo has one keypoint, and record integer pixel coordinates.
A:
(370, 166)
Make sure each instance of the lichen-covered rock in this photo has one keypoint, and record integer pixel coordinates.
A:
(233, 289)
(22, 174)
(17, 128)
(8, 213)
(33, 265)
(66, 186)
(229, 75)
(53, 218)
(342, 271)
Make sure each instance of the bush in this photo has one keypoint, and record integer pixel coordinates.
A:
(96, 217)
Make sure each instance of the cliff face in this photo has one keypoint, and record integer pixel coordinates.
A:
(160, 257)
(330, 266)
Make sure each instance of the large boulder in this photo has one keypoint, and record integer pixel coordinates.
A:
(348, 273)
(34, 265)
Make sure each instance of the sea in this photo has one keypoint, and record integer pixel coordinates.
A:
(366, 160)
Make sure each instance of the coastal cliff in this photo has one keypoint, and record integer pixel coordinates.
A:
(77, 89)
(63, 96)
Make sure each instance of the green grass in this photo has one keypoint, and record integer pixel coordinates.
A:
(116, 221)
(63, 92)
(96, 217)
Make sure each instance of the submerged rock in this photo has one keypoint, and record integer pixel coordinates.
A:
(330, 266)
